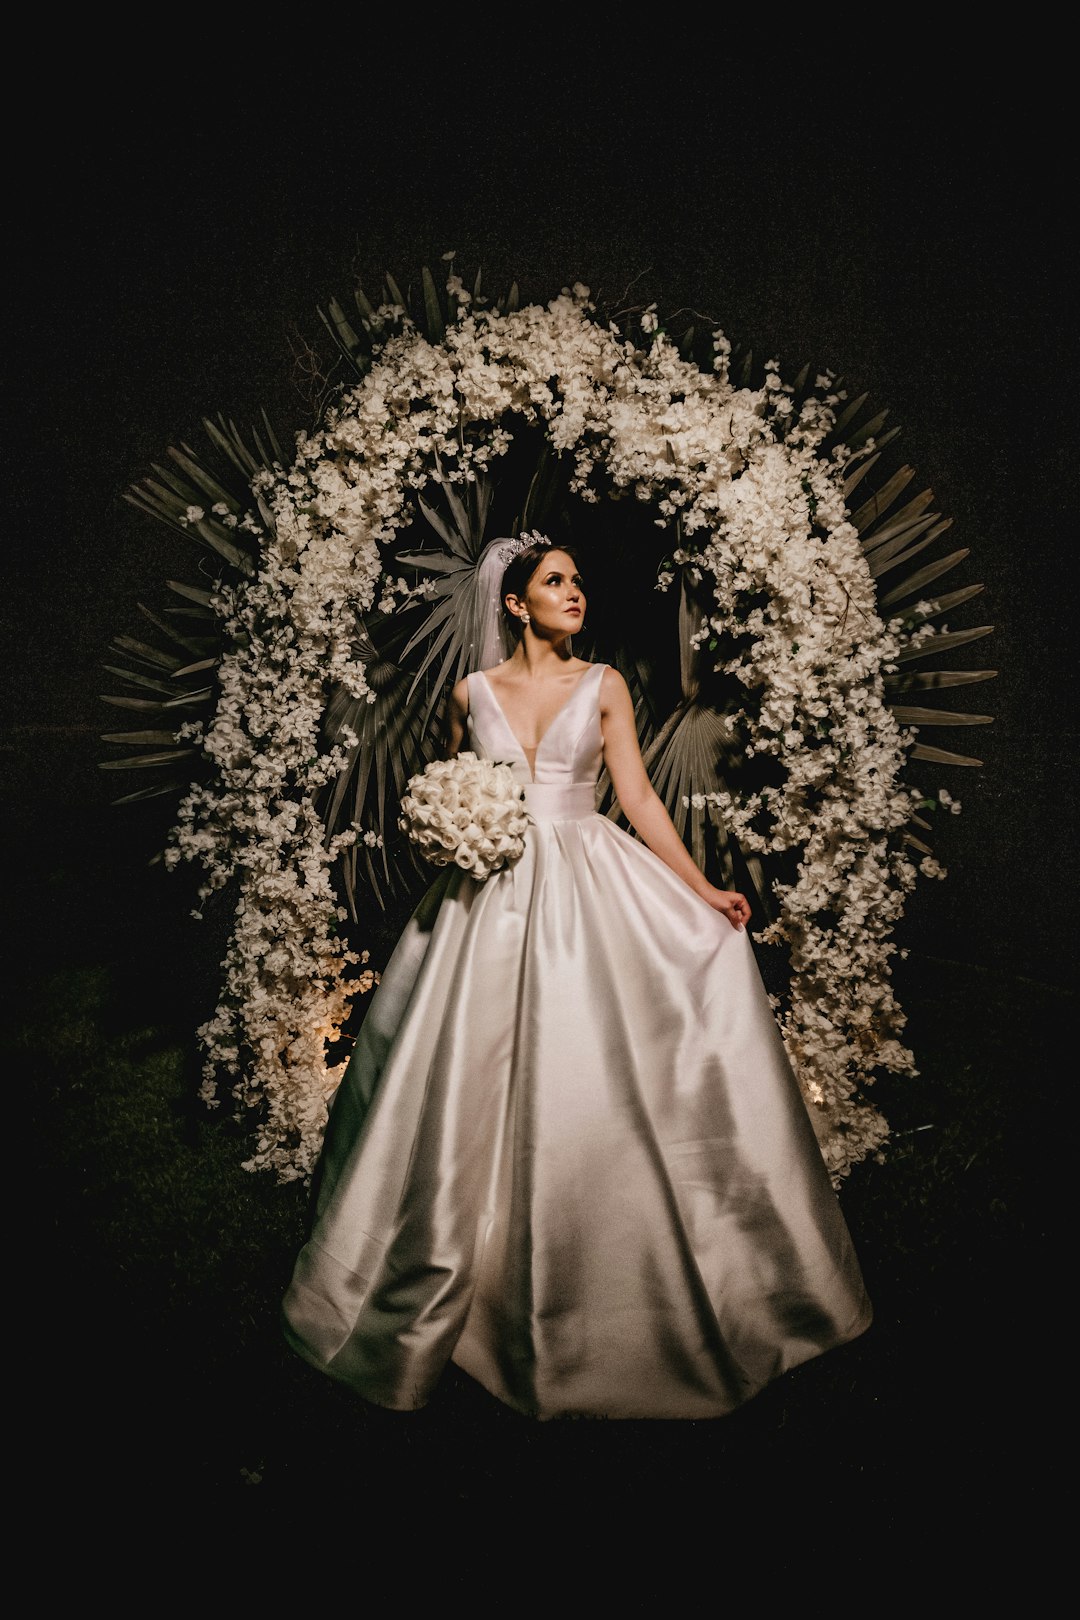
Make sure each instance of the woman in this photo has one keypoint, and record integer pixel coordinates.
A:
(569, 1152)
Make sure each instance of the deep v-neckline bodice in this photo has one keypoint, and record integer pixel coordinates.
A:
(531, 764)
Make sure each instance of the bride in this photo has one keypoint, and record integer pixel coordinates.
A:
(569, 1152)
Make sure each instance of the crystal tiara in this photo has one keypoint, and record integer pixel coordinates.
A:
(529, 537)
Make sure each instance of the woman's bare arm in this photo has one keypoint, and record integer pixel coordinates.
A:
(643, 807)
(457, 714)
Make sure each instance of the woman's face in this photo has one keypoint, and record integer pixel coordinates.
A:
(555, 596)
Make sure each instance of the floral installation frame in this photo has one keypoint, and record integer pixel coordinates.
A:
(310, 690)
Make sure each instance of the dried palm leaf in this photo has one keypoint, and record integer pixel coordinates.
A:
(933, 679)
(892, 535)
(185, 656)
(393, 743)
(693, 754)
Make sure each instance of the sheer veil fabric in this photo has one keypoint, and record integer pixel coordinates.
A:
(569, 1152)
(493, 642)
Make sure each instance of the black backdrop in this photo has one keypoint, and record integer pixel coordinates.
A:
(903, 225)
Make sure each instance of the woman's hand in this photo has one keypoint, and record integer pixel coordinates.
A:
(735, 906)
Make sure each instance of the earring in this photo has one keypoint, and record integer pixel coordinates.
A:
(525, 618)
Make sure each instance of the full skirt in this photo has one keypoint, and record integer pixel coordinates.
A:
(569, 1154)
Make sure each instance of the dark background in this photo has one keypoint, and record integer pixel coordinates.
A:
(896, 215)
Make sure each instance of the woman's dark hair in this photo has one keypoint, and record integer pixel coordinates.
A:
(520, 569)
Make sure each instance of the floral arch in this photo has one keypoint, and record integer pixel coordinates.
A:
(769, 592)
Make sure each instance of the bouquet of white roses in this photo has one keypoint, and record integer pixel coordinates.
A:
(466, 810)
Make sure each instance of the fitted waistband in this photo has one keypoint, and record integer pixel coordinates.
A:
(560, 801)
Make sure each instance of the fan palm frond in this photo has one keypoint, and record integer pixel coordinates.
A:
(691, 755)
(432, 308)
(451, 635)
(393, 743)
(944, 643)
(934, 679)
(892, 536)
(935, 606)
(173, 676)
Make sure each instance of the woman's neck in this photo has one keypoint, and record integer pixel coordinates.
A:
(538, 659)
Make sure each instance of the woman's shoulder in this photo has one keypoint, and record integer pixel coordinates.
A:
(613, 687)
(607, 672)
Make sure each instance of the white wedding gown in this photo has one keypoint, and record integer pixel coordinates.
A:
(569, 1152)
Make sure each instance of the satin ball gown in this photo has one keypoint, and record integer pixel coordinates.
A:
(569, 1152)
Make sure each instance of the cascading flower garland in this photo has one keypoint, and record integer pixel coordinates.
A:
(761, 520)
